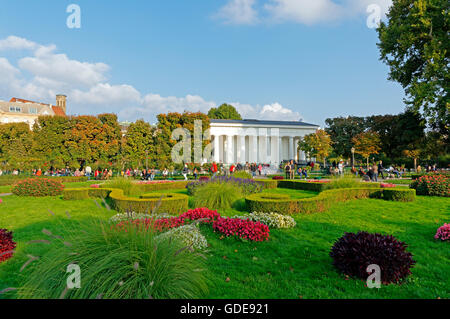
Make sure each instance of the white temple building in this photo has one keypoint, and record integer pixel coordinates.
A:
(258, 141)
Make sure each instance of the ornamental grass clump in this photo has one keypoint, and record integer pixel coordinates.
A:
(353, 253)
(129, 188)
(7, 245)
(432, 185)
(217, 195)
(38, 187)
(128, 264)
(443, 233)
(246, 185)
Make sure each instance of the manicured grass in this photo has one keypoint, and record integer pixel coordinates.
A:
(294, 263)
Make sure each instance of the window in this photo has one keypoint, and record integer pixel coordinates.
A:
(15, 109)
(32, 110)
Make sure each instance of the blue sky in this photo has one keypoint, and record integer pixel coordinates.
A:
(273, 59)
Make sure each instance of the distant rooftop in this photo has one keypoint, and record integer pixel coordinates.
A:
(264, 122)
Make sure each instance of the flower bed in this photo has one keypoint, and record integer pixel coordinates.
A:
(432, 185)
(443, 233)
(386, 185)
(154, 182)
(248, 186)
(244, 229)
(38, 187)
(7, 245)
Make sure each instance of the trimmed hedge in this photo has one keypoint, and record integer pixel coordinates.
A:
(303, 185)
(399, 195)
(322, 202)
(268, 183)
(170, 203)
(158, 186)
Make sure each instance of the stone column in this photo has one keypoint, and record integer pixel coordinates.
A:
(216, 149)
(230, 150)
(275, 151)
(241, 149)
(291, 148)
(262, 154)
(296, 148)
(252, 149)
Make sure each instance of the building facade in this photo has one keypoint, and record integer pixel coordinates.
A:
(25, 111)
(256, 141)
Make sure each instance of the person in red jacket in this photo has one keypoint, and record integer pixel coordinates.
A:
(232, 169)
(214, 169)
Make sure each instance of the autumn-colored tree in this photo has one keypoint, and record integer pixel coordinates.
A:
(366, 144)
(317, 144)
(16, 142)
(414, 154)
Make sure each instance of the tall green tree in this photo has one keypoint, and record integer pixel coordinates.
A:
(138, 144)
(225, 112)
(342, 130)
(16, 145)
(414, 43)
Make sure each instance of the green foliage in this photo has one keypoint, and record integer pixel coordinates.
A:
(282, 205)
(128, 187)
(139, 141)
(399, 195)
(432, 185)
(242, 174)
(414, 44)
(217, 195)
(317, 144)
(116, 265)
(225, 112)
(16, 145)
(38, 187)
(344, 182)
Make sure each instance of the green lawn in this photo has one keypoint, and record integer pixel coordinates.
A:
(293, 264)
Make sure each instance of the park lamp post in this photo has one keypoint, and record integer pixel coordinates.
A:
(353, 157)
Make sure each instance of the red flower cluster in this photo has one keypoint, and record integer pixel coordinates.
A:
(443, 233)
(245, 229)
(38, 187)
(7, 245)
(95, 186)
(201, 213)
(432, 185)
(385, 185)
(324, 181)
(278, 178)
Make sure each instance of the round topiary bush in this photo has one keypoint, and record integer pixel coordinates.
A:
(38, 187)
(353, 253)
(7, 245)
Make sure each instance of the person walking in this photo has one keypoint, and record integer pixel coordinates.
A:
(185, 171)
(195, 173)
(375, 173)
(260, 169)
(287, 169)
(380, 169)
(292, 171)
(341, 168)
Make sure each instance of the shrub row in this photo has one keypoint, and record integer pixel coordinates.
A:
(150, 187)
(6, 180)
(37, 187)
(267, 183)
(170, 203)
(282, 204)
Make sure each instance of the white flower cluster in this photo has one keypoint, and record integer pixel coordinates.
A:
(127, 216)
(190, 235)
(273, 220)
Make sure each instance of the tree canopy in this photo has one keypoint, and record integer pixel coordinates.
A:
(414, 44)
(224, 112)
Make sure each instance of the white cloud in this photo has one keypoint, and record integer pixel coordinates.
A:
(45, 73)
(16, 43)
(274, 111)
(308, 12)
(304, 11)
(238, 12)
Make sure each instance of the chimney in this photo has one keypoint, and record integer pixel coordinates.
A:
(61, 101)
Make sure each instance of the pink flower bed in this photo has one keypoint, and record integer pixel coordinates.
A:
(201, 213)
(95, 186)
(245, 229)
(324, 181)
(443, 233)
(1, 200)
(385, 185)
